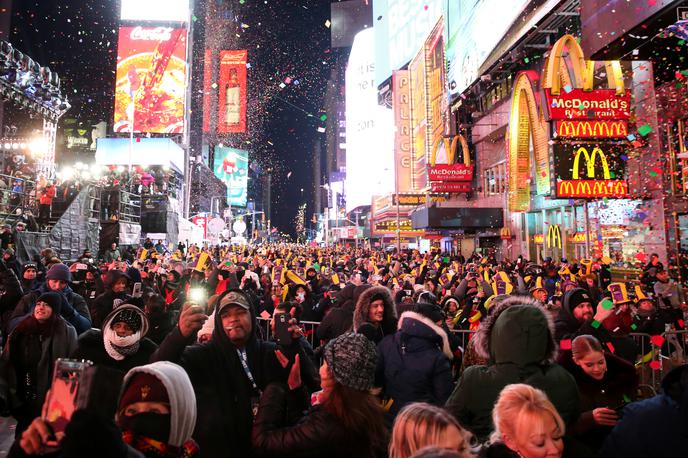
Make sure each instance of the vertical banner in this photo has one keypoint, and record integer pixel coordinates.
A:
(207, 88)
(418, 122)
(150, 86)
(437, 103)
(232, 92)
(401, 102)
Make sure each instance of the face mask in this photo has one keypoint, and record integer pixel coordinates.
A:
(301, 295)
(148, 424)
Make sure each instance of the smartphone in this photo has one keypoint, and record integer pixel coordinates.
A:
(138, 290)
(61, 402)
(196, 295)
(80, 266)
(282, 334)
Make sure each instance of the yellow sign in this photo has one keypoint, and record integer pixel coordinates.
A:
(554, 236)
(590, 161)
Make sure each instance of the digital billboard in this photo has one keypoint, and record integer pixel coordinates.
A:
(401, 27)
(589, 170)
(369, 128)
(150, 83)
(232, 92)
(231, 166)
(155, 10)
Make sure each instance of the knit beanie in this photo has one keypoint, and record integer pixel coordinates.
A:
(129, 316)
(59, 272)
(29, 265)
(578, 296)
(54, 300)
(352, 359)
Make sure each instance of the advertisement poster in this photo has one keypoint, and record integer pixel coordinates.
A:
(436, 99)
(207, 88)
(231, 166)
(151, 80)
(232, 92)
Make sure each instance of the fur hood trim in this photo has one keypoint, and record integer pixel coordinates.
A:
(363, 305)
(446, 349)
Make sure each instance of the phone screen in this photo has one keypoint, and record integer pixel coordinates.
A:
(61, 401)
(282, 334)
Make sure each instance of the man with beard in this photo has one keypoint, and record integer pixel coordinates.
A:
(577, 316)
(229, 372)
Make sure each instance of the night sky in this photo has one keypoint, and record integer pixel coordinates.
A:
(287, 40)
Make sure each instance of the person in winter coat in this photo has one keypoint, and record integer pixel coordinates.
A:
(122, 342)
(376, 307)
(172, 291)
(340, 318)
(347, 421)
(160, 319)
(29, 357)
(302, 295)
(228, 372)
(10, 293)
(11, 261)
(518, 338)
(116, 283)
(656, 427)
(155, 417)
(414, 364)
(29, 273)
(73, 309)
(605, 383)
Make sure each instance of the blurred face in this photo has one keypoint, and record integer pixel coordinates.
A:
(376, 311)
(120, 285)
(113, 246)
(663, 275)
(593, 364)
(29, 274)
(277, 290)
(429, 286)
(57, 285)
(122, 329)
(540, 295)
(534, 442)
(452, 439)
(646, 306)
(236, 321)
(583, 312)
(42, 312)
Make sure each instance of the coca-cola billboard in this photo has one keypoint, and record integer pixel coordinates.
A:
(450, 172)
(150, 84)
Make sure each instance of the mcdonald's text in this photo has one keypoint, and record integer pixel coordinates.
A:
(450, 172)
(592, 189)
(578, 104)
(592, 129)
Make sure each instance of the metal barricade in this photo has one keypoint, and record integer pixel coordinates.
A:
(309, 330)
(464, 335)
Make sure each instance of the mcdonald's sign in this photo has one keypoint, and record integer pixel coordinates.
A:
(592, 129)
(451, 172)
(578, 104)
(585, 171)
(554, 236)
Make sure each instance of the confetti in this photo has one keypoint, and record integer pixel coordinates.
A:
(644, 130)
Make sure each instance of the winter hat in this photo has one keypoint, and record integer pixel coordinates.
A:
(9, 251)
(578, 296)
(54, 300)
(59, 272)
(431, 311)
(29, 265)
(129, 316)
(352, 359)
(119, 347)
(143, 387)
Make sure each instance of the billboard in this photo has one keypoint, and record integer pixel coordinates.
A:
(231, 166)
(369, 129)
(401, 103)
(232, 92)
(401, 27)
(419, 125)
(155, 10)
(592, 170)
(150, 86)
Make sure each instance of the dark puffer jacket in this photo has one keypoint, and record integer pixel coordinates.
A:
(656, 427)
(518, 339)
(414, 364)
(104, 303)
(389, 319)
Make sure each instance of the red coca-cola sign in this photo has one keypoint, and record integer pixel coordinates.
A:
(450, 172)
(445, 186)
(579, 104)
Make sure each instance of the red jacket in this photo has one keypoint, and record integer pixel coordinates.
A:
(47, 195)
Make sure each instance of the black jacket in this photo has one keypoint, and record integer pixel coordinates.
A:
(74, 309)
(414, 364)
(317, 434)
(223, 390)
(341, 318)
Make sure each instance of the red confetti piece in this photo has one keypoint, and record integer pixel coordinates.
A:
(657, 341)
(655, 365)
(611, 347)
(565, 344)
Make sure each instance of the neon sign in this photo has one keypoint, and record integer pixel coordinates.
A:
(568, 162)
(597, 104)
(592, 129)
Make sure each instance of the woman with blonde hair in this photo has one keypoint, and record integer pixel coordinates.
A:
(526, 425)
(420, 425)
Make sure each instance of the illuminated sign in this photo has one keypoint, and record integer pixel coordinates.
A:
(401, 103)
(232, 92)
(454, 186)
(150, 85)
(409, 199)
(579, 237)
(554, 236)
(231, 166)
(450, 171)
(597, 104)
(436, 99)
(155, 10)
(391, 225)
(539, 238)
(369, 128)
(592, 129)
(603, 173)
(419, 123)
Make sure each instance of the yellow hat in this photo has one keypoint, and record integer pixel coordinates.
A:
(640, 294)
(619, 293)
(586, 266)
(537, 285)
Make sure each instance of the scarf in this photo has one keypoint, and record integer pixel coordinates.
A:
(120, 347)
(156, 449)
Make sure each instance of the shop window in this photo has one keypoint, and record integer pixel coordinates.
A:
(676, 139)
(495, 180)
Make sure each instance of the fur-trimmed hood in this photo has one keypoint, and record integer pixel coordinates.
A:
(415, 324)
(363, 305)
(517, 330)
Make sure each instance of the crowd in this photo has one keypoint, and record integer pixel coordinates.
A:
(413, 355)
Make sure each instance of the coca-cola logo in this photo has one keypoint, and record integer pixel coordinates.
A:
(151, 33)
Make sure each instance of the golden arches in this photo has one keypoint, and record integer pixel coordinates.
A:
(526, 123)
(590, 160)
(451, 148)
